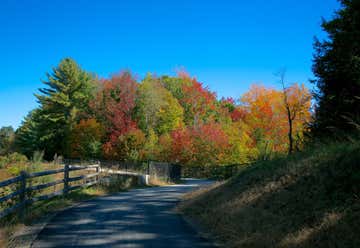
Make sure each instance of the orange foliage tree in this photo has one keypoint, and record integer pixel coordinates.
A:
(267, 116)
(297, 103)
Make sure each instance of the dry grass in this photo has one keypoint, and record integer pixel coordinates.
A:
(307, 200)
(2, 238)
(5, 174)
(154, 181)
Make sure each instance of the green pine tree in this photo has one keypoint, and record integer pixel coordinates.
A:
(27, 137)
(67, 95)
(337, 70)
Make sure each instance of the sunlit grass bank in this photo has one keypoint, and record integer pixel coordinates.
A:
(310, 199)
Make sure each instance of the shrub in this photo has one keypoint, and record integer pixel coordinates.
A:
(38, 157)
(12, 159)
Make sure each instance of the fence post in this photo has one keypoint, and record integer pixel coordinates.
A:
(97, 178)
(23, 194)
(66, 178)
(148, 167)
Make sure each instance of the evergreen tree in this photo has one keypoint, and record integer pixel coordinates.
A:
(337, 70)
(27, 135)
(67, 95)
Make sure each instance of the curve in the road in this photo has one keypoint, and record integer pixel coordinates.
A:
(139, 218)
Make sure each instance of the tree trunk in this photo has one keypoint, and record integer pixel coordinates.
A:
(290, 131)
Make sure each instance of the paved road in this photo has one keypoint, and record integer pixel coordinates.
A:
(133, 219)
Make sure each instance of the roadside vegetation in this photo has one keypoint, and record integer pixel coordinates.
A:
(309, 199)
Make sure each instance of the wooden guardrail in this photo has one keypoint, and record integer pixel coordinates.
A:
(24, 188)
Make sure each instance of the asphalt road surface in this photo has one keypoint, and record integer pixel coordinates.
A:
(137, 218)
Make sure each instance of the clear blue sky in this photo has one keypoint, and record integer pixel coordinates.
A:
(226, 44)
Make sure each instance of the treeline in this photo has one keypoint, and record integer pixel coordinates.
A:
(164, 118)
(178, 119)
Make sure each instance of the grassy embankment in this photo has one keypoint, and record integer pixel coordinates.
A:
(309, 199)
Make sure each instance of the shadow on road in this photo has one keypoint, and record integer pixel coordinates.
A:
(137, 218)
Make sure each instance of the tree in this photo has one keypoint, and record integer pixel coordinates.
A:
(150, 150)
(227, 111)
(337, 70)
(241, 147)
(28, 138)
(267, 112)
(128, 146)
(164, 147)
(264, 118)
(204, 145)
(296, 100)
(86, 139)
(7, 137)
(175, 85)
(114, 105)
(298, 107)
(68, 92)
(157, 109)
(198, 102)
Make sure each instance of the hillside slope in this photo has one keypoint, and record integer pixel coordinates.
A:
(310, 199)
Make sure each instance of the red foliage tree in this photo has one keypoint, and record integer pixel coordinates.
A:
(198, 102)
(203, 145)
(114, 105)
(229, 108)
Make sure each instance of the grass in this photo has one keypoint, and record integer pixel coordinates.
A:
(310, 199)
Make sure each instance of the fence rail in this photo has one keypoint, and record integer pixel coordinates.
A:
(219, 172)
(24, 189)
(10, 181)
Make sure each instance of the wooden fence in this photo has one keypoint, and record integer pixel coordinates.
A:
(24, 188)
(218, 172)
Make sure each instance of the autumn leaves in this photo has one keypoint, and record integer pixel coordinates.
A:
(164, 118)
